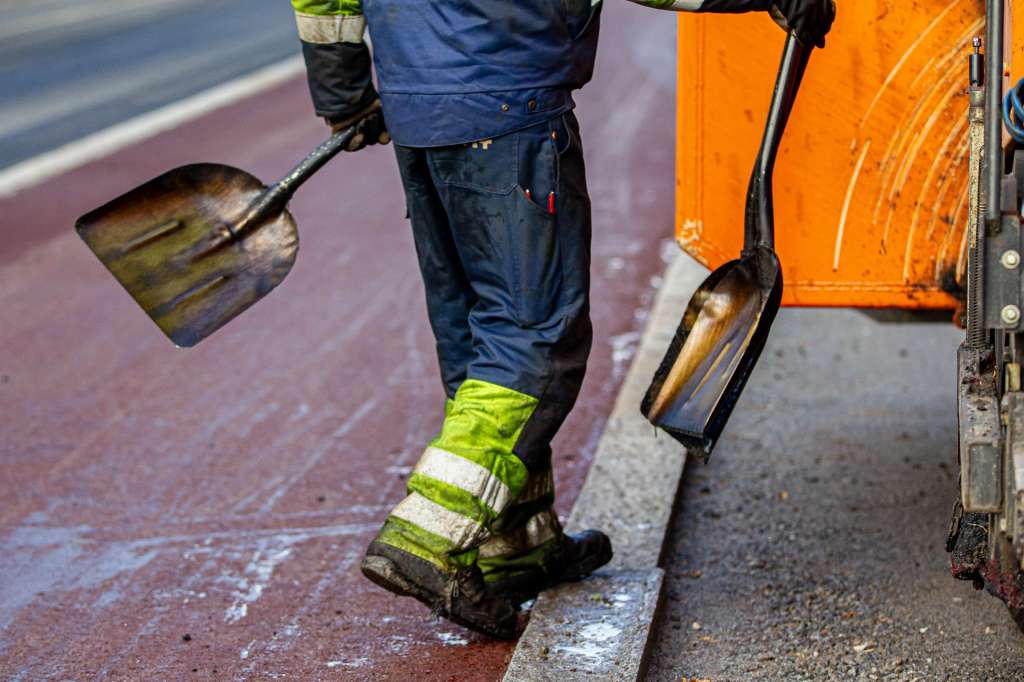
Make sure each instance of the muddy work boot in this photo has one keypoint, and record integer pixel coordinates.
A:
(467, 477)
(460, 595)
(530, 552)
(568, 558)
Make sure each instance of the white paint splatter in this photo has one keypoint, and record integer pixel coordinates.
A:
(623, 349)
(351, 663)
(301, 411)
(594, 641)
(250, 588)
(452, 639)
(244, 653)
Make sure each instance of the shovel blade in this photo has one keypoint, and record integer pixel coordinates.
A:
(168, 242)
(714, 351)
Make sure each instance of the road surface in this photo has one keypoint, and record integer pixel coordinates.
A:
(810, 547)
(68, 69)
(175, 514)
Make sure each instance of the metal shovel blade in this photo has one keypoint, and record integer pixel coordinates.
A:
(727, 321)
(169, 243)
(714, 351)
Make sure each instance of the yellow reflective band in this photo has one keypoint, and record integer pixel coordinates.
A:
(538, 530)
(326, 30)
(457, 529)
(464, 474)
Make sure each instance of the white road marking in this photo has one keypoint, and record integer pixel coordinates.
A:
(33, 171)
(128, 84)
(63, 15)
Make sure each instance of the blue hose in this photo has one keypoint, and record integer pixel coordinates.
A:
(1013, 111)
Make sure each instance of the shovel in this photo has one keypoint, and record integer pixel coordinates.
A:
(199, 244)
(728, 319)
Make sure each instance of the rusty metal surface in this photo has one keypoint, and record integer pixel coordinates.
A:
(173, 514)
(980, 432)
(872, 180)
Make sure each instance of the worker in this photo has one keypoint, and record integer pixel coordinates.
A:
(477, 95)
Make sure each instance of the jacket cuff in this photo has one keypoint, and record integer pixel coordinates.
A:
(340, 80)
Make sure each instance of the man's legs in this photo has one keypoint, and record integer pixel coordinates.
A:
(503, 235)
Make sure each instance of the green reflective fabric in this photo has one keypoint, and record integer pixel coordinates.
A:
(326, 8)
(412, 539)
(455, 499)
(498, 569)
(524, 557)
(482, 424)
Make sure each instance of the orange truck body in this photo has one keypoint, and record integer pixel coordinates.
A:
(871, 181)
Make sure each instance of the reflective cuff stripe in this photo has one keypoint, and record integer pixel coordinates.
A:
(326, 30)
(433, 518)
(673, 5)
(539, 529)
(463, 474)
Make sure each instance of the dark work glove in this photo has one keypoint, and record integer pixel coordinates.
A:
(370, 128)
(810, 20)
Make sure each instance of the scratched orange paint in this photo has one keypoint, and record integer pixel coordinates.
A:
(871, 181)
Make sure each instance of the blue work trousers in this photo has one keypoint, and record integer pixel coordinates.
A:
(502, 230)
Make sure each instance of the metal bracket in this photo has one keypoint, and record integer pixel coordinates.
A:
(981, 446)
(1002, 272)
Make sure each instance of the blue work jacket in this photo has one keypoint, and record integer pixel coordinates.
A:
(452, 71)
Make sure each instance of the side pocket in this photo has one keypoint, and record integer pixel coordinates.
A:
(536, 253)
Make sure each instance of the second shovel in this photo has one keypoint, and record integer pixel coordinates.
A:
(727, 322)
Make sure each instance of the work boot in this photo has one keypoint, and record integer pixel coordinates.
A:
(460, 595)
(466, 478)
(530, 552)
(568, 558)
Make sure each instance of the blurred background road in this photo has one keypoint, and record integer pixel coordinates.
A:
(68, 69)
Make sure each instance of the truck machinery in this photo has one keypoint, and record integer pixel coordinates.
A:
(908, 198)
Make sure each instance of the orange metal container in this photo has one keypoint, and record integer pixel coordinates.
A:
(871, 183)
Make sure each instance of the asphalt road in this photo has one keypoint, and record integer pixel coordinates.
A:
(68, 69)
(811, 546)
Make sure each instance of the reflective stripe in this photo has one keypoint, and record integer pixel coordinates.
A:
(331, 29)
(433, 518)
(465, 475)
(539, 529)
(673, 5)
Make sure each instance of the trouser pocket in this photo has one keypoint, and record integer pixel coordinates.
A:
(536, 258)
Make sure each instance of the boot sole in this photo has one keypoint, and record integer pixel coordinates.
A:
(386, 574)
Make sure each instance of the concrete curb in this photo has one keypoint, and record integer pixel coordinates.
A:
(601, 627)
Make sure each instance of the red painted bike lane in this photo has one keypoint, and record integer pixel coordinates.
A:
(170, 514)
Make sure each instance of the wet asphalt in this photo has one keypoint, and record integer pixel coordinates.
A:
(810, 547)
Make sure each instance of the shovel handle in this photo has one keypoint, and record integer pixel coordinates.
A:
(759, 223)
(995, 11)
(275, 197)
